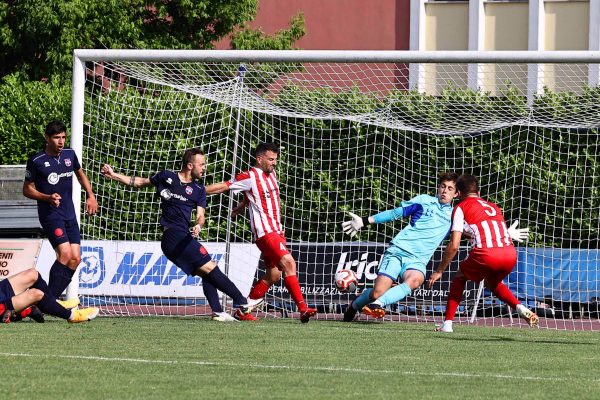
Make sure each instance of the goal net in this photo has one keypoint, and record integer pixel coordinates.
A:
(358, 132)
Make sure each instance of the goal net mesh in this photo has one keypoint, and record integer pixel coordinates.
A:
(359, 137)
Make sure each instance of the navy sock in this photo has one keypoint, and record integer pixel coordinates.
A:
(48, 303)
(60, 277)
(222, 282)
(212, 296)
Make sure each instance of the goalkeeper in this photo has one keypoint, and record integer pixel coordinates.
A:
(411, 249)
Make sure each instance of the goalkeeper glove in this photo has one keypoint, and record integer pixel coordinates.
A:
(352, 227)
(518, 234)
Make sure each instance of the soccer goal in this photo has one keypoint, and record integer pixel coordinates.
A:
(359, 131)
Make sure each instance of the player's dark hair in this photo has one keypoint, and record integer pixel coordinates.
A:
(55, 127)
(189, 154)
(447, 176)
(467, 184)
(264, 147)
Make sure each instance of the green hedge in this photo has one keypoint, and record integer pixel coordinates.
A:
(548, 177)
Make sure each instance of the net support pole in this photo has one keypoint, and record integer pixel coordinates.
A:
(242, 71)
(77, 108)
(477, 300)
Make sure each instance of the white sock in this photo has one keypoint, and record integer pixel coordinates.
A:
(521, 309)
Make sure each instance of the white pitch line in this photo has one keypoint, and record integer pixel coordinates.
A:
(306, 368)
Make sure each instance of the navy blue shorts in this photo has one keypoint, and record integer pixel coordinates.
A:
(62, 231)
(183, 250)
(6, 291)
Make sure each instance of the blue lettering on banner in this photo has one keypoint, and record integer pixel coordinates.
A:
(161, 273)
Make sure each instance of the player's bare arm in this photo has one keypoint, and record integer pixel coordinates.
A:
(449, 253)
(200, 219)
(237, 210)
(217, 188)
(91, 204)
(31, 192)
(134, 181)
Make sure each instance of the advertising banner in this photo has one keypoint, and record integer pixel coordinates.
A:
(318, 263)
(17, 255)
(141, 269)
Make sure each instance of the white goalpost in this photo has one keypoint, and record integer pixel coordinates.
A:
(359, 131)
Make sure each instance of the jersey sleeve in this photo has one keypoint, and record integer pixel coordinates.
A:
(458, 220)
(156, 178)
(76, 164)
(30, 171)
(240, 183)
(202, 197)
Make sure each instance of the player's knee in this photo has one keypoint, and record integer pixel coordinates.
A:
(288, 265)
(35, 295)
(31, 275)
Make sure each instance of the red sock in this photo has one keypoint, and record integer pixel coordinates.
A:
(503, 293)
(456, 291)
(259, 289)
(292, 285)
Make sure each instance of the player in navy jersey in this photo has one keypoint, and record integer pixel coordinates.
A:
(20, 292)
(492, 256)
(49, 180)
(179, 196)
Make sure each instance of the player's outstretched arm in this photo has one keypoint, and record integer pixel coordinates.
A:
(518, 234)
(134, 181)
(217, 188)
(355, 224)
(91, 204)
(449, 253)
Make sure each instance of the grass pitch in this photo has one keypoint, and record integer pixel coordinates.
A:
(195, 358)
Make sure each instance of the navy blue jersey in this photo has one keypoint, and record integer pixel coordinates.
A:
(54, 175)
(177, 199)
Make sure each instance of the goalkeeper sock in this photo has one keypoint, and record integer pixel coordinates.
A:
(60, 277)
(394, 294)
(48, 304)
(292, 285)
(457, 286)
(362, 300)
(222, 282)
(259, 289)
(212, 296)
(502, 292)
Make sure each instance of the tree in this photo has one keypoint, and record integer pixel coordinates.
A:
(37, 37)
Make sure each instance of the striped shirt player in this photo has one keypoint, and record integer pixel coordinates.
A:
(261, 193)
(491, 258)
(179, 196)
(410, 250)
(49, 180)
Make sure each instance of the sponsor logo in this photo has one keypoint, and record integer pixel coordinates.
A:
(189, 190)
(167, 195)
(53, 178)
(68, 162)
(93, 269)
(58, 232)
(361, 265)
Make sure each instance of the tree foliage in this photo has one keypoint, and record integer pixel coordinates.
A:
(37, 37)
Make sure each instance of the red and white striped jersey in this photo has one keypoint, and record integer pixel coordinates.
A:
(262, 191)
(483, 221)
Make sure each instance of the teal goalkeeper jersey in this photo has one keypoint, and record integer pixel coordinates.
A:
(429, 225)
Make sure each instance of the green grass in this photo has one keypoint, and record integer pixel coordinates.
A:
(172, 358)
